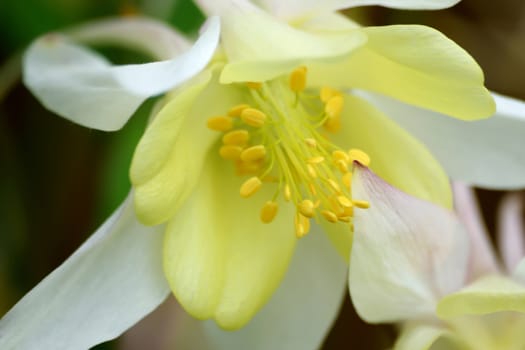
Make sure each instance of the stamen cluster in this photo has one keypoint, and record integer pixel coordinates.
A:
(275, 139)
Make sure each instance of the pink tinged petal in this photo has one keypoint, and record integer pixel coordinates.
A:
(487, 153)
(107, 285)
(306, 8)
(297, 317)
(482, 258)
(406, 252)
(85, 88)
(511, 230)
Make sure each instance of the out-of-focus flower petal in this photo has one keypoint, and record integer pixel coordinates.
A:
(419, 337)
(414, 64)
(170, 155)
(486, 295)
(83, 87)
(406, 253)
(297, 317)
(487, 153)
(511, 229)
(108, 284)
(482, 257)
(307, 8)
(221, 261)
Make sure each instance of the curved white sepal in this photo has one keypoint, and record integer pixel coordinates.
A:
(486, 153)
(106, 286)
(85, 88)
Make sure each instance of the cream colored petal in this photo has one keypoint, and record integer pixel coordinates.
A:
(417, 65)
(112, 281)
(221, 261)
(487, 153)
(395, 155)
(84, 87)
(169, 157)
(260, 47)
(487, 295)
(419, 337)
(406, 253)
(297, 317)
(291, 9)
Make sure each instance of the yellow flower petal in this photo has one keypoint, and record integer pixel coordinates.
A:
(220, 260)
(395, 155)
(167, 162)
(417, 65)
(487, 295)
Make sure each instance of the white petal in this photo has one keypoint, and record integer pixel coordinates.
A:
(107, 285)
(485, 153)
(511, 229)
(305, 8)
(139, 33)
(406, 252)
(83, 87)
(482, 257)
(298, 316)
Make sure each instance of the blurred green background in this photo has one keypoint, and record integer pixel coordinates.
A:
(59, 181)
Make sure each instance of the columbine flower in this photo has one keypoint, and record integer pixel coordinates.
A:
(272, 105)
(440, 280)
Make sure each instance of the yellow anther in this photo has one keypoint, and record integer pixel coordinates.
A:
(313, 191)
(311, 171)
(356, 155)
(236, 111)
(333, 124)
(269, 211)
(316, 160)
(342, 166)
(347, 180)
(236, 137)
(327, 93)
(348, 211)
(302, 225)
(253, 117)
(230, 152)
(250, 186)
(344, 201)
(298, 79)
(253, 84)
(287, 192)
(306, 208)
(247, 168)
(334, 106)
(329, 216)
(253, 153)
(311, 142)
(344, 218)
(361, 204)
(340, 155)
(220, 123)
(335, 186)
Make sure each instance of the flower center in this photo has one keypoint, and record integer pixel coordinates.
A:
(276, 138)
